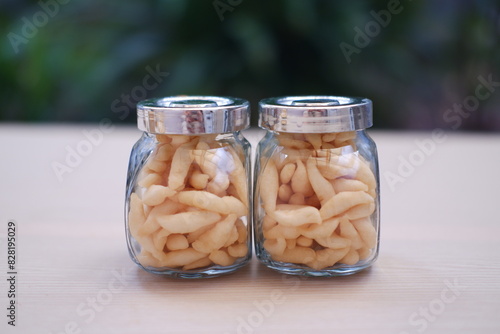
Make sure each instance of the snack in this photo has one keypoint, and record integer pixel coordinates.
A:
(189, 208)
(317, 195)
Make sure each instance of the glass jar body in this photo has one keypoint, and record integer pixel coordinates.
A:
(316, 202)
(187, 204)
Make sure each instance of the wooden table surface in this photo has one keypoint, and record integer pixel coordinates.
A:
(438, 269)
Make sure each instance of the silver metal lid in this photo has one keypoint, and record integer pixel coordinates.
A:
(193, 115)
(315, 114)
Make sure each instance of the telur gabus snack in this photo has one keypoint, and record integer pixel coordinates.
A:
(316, 206)
(188, 193)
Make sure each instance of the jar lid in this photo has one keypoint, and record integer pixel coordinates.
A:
(193, 115)
(315, 114)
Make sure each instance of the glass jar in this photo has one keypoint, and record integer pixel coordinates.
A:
(187, 200)
(316, 197)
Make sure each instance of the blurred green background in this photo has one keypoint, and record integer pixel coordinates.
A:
(82, 61)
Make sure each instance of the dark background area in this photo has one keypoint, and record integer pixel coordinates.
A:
(82, 61)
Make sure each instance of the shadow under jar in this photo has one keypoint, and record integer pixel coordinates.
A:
(316, 195)
(187, 198)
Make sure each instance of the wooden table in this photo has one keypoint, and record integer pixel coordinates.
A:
(438, 270)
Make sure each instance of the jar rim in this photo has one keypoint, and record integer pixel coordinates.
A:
(193, 114)
(315, 113)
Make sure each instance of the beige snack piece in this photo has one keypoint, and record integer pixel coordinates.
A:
(147, 259)
(181, 257)
(238, 250)
(221, 258)
(203, 262)
(193, 236)
(221, 160)
(235, 206)
(323, 189)
(216, 237)
(160, 239)
(290, 156)
(342, 184)
(177, 242)
(136, 216)
(360, 211)
(287, 140)
(268, 223)
(203, 157)
(343, 201)
(290, 243)
(275, 246)
(297, 217)
(348, 231)
(156, 166)
(364, 253)
(327, 257)
(331, 171)
(198, 180)
(314, 139)
(210, 202)
(304, 241)
(164, 139)
(164, 152)
(333, 241)
(285, 192)
(156, 194)
(300, 181)
(301, 255)
(179, 140)
(150, 179)
(297, 199)
(231, 191)
(269, 181)
(186, 222)
(242, 231)
(166, 208)
(203, 200)
(287, 172)
(351, 258)
(233, 237)
(366, 231)
(282, 231)
(238, 176)
(181, 163)
(328, 137)
(314, 231)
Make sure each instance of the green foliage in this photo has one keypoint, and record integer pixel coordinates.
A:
(92, 53)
